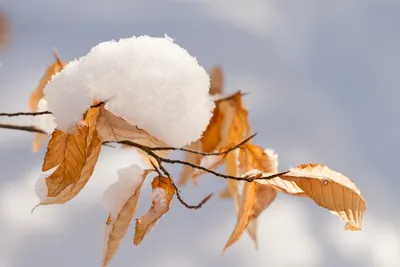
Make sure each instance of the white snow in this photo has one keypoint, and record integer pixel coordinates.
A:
(159, 196)
(118, 193)
(273, 156)
(150, 82)
(44, 122)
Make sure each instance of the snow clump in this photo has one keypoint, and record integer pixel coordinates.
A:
(152, 83)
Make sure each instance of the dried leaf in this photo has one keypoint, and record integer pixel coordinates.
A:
(117, 227)
(211, 162)
(265, 195)
(39, 141)
(225, 193)
(55, 153)
(212, 135)
(75, 154)
(217, 81)
(113, 128)
(162, 195)
(37, 94)
(73, 160)
(285, 186)
(248, 200)
(331, 190)
(234, 125)
(187, 171)
(253, 157)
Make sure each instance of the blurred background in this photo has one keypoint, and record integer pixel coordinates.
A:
(323, 84)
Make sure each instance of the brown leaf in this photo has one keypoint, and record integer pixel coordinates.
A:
(37, 94)
(225, 193)
(162, 195)
(331, 190)
(39, 141)
(265, 195)
(210, 162)
(187, 171)
(253, 157)
(234, 125)
(113, 128)
(212, 135)
(74, 158)
(117, 225)
(216, 80)
(282, 185)
(55, 153)
(75, 154)
(247, 202)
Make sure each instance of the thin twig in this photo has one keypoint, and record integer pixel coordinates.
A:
(148, 150)
(25, 113)
(30, 128)
(230, 97)
(198, 206)
(204, 153)
(195, 166)
(178, 192)
(40, 112)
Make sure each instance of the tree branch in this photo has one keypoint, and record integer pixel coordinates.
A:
(30, 128)
(204, 153)
(3, 114)
(178, 192)
(160, 159)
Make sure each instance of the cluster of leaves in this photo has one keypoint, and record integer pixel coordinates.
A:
(228, 126)
(251, 171)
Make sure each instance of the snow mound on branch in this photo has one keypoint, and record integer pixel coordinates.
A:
(150, 82)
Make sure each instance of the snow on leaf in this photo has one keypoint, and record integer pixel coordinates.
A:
(162, 195)
(37, 94)
(331, 190)
(122, 201)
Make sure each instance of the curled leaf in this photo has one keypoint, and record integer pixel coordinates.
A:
(113, 128)
(37, 94)
(217, 81)
(246, 205)
(75, 155)
(162, 195)
(123, 210)
(187, 171)
(331, 190)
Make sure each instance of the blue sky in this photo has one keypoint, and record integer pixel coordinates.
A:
(323, 84)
